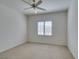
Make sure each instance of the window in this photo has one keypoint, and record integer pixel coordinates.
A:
(40, 28)
(45, 28)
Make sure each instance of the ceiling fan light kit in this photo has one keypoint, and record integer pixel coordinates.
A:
(35, 11)
(34, 5)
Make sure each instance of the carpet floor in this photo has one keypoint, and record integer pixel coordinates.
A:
(37, 51)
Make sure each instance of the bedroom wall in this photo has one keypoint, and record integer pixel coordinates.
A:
(73, 28)
(12, 28)
(59, 36)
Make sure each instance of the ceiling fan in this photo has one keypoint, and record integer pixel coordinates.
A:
(34, 5)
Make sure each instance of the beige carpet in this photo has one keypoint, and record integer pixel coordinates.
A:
(37, 51)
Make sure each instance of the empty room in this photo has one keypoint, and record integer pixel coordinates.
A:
(38, 29)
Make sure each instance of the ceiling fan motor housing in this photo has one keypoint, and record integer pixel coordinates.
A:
(33, 5)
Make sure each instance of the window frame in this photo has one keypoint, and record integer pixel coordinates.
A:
(44, 28)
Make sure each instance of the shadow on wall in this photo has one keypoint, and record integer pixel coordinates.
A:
(12, 28)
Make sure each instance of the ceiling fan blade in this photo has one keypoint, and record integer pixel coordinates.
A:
(38, 3)
(41, 8)
(27, 8)
(27, 2)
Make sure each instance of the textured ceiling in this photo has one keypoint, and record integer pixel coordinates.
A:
(49, 5)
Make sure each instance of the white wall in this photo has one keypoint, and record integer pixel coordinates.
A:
(59, 28)
(12, 28)
(72, 28)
